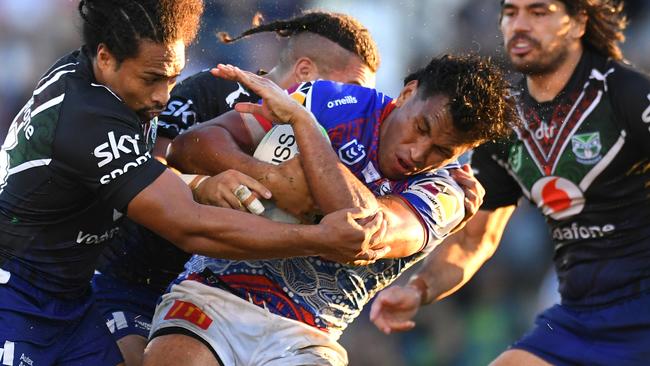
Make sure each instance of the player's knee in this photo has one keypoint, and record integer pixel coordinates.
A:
(132, 349)
(177, 349)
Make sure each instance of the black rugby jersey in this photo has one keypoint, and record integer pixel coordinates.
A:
(138, 255)
(199, 98)
(73, 159)
(584, 160)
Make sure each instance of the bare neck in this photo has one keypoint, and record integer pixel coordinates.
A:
(280, 78)
(544, 87)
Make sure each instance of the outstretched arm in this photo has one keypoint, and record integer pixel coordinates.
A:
(448, 268)
(167, 208)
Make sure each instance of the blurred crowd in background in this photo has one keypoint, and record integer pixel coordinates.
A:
(498, 305)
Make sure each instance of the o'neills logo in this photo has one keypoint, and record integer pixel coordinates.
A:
(348, 99)
(575, 231)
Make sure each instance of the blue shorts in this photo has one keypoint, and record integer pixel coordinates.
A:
(37, 328)
(614, 335)
(127, 309)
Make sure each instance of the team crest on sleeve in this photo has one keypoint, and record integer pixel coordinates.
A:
(586, 147)
(352, 152)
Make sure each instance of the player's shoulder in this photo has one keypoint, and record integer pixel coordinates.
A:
(83, 101)
(209, 86)
(330, 97)
(329, 87)
(205, 81)
(93, 103)
(627, 78)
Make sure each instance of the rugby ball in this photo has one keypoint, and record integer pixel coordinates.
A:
(276, 147)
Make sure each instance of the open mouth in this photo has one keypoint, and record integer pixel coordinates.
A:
(405, 167)
(521, 45)
(521, 48)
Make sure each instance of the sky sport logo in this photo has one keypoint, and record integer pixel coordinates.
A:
(348, 99)
(115, 147)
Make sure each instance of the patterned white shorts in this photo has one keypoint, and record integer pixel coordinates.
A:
(242, 333)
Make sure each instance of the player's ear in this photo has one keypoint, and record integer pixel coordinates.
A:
(409, 90)
(105, 59)
(305, 69)
(580, 24)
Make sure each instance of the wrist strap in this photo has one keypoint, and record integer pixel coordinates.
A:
(193, 180)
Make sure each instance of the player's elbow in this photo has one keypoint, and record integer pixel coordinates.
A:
(487, 247)
(177, 154)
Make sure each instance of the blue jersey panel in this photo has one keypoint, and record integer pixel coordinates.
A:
(37, 328)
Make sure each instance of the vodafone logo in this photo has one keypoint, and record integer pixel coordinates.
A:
(558, 197)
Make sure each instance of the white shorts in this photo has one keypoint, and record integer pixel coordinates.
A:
(242, 333)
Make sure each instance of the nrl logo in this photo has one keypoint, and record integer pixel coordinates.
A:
(352, 152)
(515, 157)
(586, 147)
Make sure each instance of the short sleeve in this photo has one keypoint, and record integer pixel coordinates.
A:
(500, 188)
(199, 98)
(438, 201)
(106, 153)
(630, 90)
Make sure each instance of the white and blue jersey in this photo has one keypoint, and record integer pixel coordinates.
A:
(316, 291)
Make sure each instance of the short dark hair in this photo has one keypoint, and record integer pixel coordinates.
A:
(341, 29)
(605, 24)
(121, 24)
(479, 98)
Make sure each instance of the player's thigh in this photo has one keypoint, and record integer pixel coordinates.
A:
(132, 348)
(178, 349)
(518, 357)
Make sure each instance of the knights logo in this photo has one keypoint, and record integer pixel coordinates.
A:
(586, 147)
(352, 152)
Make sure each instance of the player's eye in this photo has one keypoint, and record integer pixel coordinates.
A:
(422, 127)
(443, 152)
(149, 80)
(507, 13)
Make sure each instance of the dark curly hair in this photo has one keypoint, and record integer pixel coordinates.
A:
(605, 25)
(339, 28)
(479, 98)
(121, 24)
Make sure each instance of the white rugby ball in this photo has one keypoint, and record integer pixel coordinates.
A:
(278, 146)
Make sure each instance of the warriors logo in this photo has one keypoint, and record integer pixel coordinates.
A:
(586, 147)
